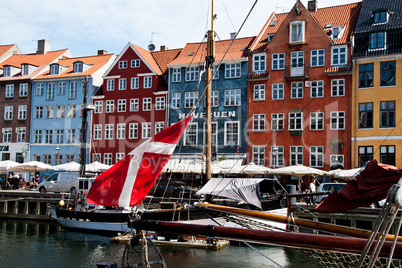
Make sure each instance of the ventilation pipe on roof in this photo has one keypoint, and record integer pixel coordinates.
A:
(43, 46)
(163, 48)
(312, 5)
(102, 52)
(232, 35)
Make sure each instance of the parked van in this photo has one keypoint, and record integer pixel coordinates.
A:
(60, 182)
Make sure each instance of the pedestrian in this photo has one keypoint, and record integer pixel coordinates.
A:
(312, 190)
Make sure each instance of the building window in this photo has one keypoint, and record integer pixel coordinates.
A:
(108, 131)
(97, 132)
(21, 134)
(339, 55)
(176, 75)
(232, 131)
(148, 82)
(296, 155)
(366, 75)
(121, 131)
(159, 126)
(59, 136)
(48, 136)
(50, 91)
(134, 105)
(215, 98)
(119, 156)
(317, 121)
(317, 89)
(296, 32)
(387, 73)
(147, 104)
(176, 99)
(135, 63)
(190, 99)
(337, 87)
(110, 85)
(60, 111)
(22, 112)
(39, 111)
(72, 94)
(69, 158)
(9, 91)
(96, 157)
(232, 70)
(277, 159)
(133, 131)
(47, 159)
(316, 156)
(259, 155)
(278, 61)
(295, 121)
(214, 135)
(277, 122)
(278, 92)
(387, 114)
(54, 69)
(37, 136)
(121, 105)
(377, 40)
(258, 122)
(296, 90)
(61, 88)
(72, 110)
(146, 130)
(135, 82)
(78, 67)
(387, 154)
(39, 89)
(259, 92)
(7, 71)
(70, 137)
(192, 73)
(98, 107)
(7, 135)
(160, 103)
(317, 57)
(24, 90)
(380, 16)
(108, 159)
(191, 135)
(122, 84)
(215, 72)
(259, 61)
(337, 120)
(365, 155)
(366, 115)
(123, 64)
(232, 97)
(110, 106)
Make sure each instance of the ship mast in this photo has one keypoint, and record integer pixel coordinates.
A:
(210, 58)
(85, 109)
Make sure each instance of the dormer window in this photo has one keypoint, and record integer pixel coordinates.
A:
(77, 67)
(336, 32)
(24, 69)
(270, 36)
(377, 40)
(54, 69)
(380, 16)
(296, 32)
(7, 71)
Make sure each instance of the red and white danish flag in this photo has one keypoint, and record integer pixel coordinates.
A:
(128, 181)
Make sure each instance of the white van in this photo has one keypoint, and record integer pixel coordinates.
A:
(60, 182)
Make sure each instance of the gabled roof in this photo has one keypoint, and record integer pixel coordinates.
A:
(365, 21)
(148, 59)
(165, 57)
(96, 62)
(38, 60)
(13, 49)
(196, 52)
(342, 15)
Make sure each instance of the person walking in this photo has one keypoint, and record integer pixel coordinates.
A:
(312, 190)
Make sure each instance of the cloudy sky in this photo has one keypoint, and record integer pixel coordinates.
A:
(85, 26)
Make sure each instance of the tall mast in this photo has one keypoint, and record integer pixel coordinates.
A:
(209, 61)
(84, 128)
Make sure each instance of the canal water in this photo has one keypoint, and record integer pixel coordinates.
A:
(43, 244)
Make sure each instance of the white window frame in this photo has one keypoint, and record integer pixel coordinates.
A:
(61, 88)
(191, 135)
(296, 155)
(134, 105)
(338, 120)
(296, 29)
(110, 85)
(176, 100)
(278, 61)
(190, 99)
(214, 98)
(21, 134)
(160, 103)
(317, 89)
(98, 131)
(98, 107)
(22, 112)
(133, 130)
(73, 90)
(122, 83)
(259, 92)
(109, 131)
(146, 130)
(232, 70)
(336, 55)
(39, 111)
(7, 134)
(337, 86)
(277, 156)
(121, 105)
(121, 131)
(192, 74)
(317, 119)
(39, 89)
(147, 81)
(176, 75)
(135, 63)
(135, 82)
(23, 90)
(295, 119)
(277, 121)
(109, 106)
(72, 110)
(159, 126)
(259, 155)
(108, 158)
(61, 110)
(318, 153)
(259, 63)
(317, 56)
(259, 122)
(123, 64)
(9, 91)
(232, 97)
(278, 91)
(296, 87)
(226, 136)
(147, 104)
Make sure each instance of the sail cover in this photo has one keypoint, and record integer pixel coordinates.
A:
(128, 181)
(246, 190)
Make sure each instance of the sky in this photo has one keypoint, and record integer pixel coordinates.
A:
(86, 26)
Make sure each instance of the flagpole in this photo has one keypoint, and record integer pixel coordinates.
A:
(209, 61)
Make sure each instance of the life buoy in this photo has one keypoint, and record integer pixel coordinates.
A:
(82, 195)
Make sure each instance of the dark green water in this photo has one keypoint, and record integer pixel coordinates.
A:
(42, 244)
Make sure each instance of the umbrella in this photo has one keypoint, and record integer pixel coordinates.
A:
(345, 173)
(71, 166)
(7, 164)
(32, 166)
(96, 167)
(298, 171)
(250, 169)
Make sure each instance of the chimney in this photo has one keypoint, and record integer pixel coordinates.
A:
(232, 35)
(43, 46)
(102, 52)
(312, 5)
(163, 48)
